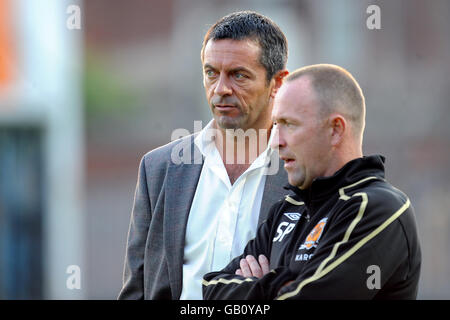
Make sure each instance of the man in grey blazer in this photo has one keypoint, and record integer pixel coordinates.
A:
(196, 204)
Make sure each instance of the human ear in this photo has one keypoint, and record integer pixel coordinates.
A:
(278, 78)
(338, 126)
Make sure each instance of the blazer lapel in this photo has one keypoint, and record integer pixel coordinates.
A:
(182, 180)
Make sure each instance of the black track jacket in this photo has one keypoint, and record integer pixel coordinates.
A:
(349, 236)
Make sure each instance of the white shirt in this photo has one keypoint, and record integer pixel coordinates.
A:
(223, 217)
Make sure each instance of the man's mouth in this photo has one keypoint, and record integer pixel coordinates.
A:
(224, 107)
(288, 162)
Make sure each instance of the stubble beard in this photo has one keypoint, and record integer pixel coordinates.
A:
(225, 122)
(296, 177)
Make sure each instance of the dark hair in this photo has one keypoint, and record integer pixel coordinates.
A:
(251, 25)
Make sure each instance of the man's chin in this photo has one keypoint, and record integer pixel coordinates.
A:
(224, 122)
(295, 181)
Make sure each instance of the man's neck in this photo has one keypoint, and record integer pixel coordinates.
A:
(241, 147)
(238, 148)
(340, 159)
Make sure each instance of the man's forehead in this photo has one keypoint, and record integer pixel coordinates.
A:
(291, 94)
(229, 48)
(286, 93)
(281, 103)
(248, 41)
(303, 82)
(296, 88)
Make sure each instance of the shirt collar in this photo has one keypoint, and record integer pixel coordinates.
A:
(205, 139)
(205, 143)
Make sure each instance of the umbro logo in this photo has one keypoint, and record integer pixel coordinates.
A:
(294, 216)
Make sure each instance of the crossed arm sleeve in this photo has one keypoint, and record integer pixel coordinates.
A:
(361, 240)
(226, 285)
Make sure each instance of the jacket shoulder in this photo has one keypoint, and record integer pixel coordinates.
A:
(383, 193)
(182, 150)
(387, 203)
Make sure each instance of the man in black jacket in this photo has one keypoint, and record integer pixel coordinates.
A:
(343, 232)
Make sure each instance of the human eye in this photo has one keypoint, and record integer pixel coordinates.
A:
(290, 125)
(240, 75)
(209, 73)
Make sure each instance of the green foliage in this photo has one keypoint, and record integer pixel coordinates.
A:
(104, 91)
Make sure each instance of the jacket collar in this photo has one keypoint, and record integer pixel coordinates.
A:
(351, 172)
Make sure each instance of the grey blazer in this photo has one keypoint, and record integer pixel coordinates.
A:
(164, 193)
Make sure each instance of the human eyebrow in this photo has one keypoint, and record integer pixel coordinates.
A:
(285, 121)
(278, 120)
(207, 66)
(241, 70)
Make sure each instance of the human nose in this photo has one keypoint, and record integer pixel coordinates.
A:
(223, 88)
(277, 140)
